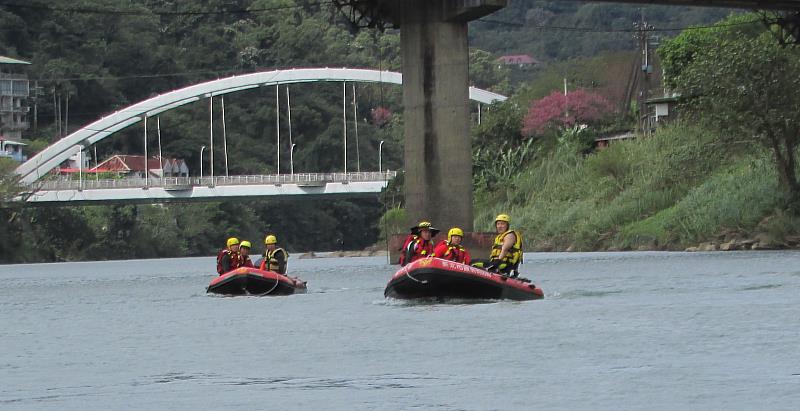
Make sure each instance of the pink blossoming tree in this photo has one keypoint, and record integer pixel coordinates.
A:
(558, 111)
(381, 116)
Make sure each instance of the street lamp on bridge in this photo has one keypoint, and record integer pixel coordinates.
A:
(380, 147)
(201, 160)
(291, 159)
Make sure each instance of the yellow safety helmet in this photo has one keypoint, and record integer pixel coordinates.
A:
(271, 239)
(454, 231)
(232, 241)
(244, 243)
(502, 217)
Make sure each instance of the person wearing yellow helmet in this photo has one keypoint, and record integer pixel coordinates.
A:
(419, 243)
(244, 255)
(451, 249)
(227, 258)
(506, 254)
(275, 258)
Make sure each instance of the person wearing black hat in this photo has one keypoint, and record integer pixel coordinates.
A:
(419, 243)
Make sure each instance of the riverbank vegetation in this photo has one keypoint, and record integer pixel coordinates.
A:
(681, 187)
(172, 230)
(725, 175)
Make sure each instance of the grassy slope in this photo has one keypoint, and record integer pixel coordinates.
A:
(673, 190)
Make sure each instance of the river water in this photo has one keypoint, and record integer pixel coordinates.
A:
(644, 330)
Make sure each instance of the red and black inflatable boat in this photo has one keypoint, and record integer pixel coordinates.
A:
(252, 281)
(441, 279)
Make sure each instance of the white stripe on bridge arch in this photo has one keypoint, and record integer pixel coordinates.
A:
(49, 158)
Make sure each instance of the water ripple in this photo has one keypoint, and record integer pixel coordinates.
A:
(588, 293)
(375, 382)
(761, 287)
(422, 302)
(174, 377)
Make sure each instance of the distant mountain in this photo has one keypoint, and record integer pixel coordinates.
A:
(560, 30)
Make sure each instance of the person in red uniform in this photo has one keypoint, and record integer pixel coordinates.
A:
(228, 257)
(244, 255)
(451, 249)
(418, 244)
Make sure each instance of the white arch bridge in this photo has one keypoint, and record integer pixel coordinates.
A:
(157, 189)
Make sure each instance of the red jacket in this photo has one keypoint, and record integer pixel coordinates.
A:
(403, 258)
(244, 261)
(227, 260)
(455, 253)
(419, 248)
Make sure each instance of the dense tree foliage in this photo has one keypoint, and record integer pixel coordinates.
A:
(742, 79)
(484, 72)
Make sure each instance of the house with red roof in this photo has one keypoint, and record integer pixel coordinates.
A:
(124, 165)
(134, 166)
(520, 60)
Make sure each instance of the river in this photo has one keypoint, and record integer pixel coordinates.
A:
(639, 330)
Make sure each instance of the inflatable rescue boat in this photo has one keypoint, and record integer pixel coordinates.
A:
(252, 281)
(442, 279)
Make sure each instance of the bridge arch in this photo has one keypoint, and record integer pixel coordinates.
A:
(49, 158)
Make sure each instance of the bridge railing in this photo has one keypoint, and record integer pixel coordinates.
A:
(188, 182)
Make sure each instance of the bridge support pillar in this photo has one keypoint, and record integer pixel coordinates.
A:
(438, 149)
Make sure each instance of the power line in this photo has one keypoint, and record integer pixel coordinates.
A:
(600, 30)
(140, 76)
(221, 72)
(146, 12)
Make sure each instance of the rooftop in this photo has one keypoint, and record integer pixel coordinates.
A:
(9, 60)
(7, 142)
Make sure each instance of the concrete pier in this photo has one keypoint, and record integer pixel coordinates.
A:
(438, 151)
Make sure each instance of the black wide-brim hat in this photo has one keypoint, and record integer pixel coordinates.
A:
(434, 231)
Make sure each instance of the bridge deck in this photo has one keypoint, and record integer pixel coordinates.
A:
(182, 189)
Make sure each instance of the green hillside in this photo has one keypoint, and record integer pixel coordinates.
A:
(561, 30)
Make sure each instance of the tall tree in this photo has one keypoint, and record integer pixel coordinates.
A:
(557, 111)
(743, 80)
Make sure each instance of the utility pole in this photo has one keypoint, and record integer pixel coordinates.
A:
(66, 116)
(57, 113)
(35, 107)
(642, 35)
(566, 103)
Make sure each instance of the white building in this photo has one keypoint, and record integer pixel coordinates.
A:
(14, 92)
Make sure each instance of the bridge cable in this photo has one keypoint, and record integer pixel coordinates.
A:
(600, 30)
